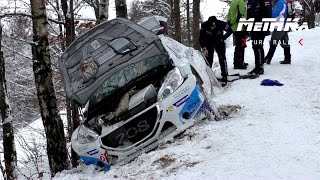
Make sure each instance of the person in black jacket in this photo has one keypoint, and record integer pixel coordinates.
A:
(212, 38)
(258, 9)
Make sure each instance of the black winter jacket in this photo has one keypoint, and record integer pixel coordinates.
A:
(208, 37)
(259, 9)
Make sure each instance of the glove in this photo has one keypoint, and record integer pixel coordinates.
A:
(205, 52)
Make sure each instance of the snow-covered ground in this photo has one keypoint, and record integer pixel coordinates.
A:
(275, 134)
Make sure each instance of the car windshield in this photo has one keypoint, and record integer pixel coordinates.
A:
(122, 77)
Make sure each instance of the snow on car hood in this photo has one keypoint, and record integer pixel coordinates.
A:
(103, 51)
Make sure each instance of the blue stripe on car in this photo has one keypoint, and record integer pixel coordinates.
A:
(95, 161)
(193, 104)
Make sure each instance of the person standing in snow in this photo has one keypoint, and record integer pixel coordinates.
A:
(279, 35)
(212, 38)
(238, 10)
(258, 9)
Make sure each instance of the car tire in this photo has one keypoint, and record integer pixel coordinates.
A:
(214, 113)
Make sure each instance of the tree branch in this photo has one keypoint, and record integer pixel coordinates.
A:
(26, 15)
(17, 52)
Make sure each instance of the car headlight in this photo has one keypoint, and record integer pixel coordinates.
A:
(170, 84)
(86, 135)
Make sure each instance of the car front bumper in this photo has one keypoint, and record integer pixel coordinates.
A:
(122, 142)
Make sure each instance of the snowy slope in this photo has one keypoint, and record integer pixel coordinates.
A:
(31, 150)
(275, 135)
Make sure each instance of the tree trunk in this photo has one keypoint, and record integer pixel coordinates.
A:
(121, 8)
(72, 108)
(196, 23)
(95, 5)
(69, 119)
(96, 10)
(188, 23)
(171, 33)
(177, 20)
(311, 15)
(103, 10)
(69, 21)
(63, 47)
(9, 148)
(53, 126)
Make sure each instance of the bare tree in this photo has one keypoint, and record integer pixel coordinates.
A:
(56, 142)
(31, 141)
(188, 23)
(136, 12)
(69, 21)
(177, 20)
(196, 23)
(9, 148)
(142, 9)
(72, 108)
(310, 13)
(95, 5)
(103, 10)
(121, 8)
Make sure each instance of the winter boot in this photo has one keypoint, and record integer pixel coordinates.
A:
(256, 71)
(242, 58)
(268, 58)
(239, 58)
(258, 55)
(224, 81)
(287, 56)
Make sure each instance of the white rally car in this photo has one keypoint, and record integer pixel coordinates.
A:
(136, 87)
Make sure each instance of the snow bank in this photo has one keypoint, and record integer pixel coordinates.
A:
(275, 135)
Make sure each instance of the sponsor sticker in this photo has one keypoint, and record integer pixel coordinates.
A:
(181, 101)
(181, 92)
(93, 152)
(170, 109)
(95, 45)
(104, 157)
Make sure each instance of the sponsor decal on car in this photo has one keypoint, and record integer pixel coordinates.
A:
(181, 101)
(170, 109)
(104, 157)
(181, 92)
(93, 152)
(193, 104)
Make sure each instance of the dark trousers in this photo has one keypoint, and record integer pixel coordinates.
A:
(238, 58)
(220, 48)
(282, 38)
(257, 38)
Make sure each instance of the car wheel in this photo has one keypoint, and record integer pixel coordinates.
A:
(211, 111)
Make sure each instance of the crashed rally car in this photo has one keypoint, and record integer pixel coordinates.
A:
(136, 87)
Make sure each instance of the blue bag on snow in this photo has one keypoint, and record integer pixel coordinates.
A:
(269, 82)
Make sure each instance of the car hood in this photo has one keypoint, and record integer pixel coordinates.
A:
(102, 51)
